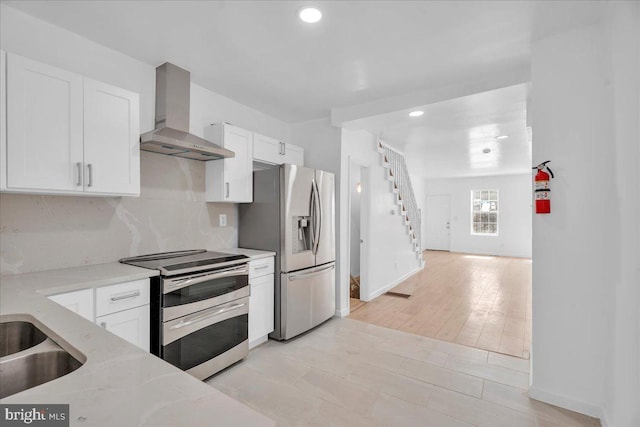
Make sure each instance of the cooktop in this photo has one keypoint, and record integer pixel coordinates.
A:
(169, 263)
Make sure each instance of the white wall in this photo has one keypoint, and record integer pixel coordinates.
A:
(586, 252)
(209, 107)
(388, 252)
(32, 228)
(514, 218)
(622, 402)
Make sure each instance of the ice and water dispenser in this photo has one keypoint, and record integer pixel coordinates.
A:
(301, 234)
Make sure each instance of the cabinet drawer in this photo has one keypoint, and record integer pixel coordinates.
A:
(260, 267)
(111, 299)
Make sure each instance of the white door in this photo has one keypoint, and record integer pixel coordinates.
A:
(132, 325)
(293, 154)
(438, 222)
(45, 129)
(238, 176)
(266, 149)
(111, 133)
(261, 307)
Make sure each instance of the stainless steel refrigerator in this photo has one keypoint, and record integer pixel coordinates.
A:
(293, 214)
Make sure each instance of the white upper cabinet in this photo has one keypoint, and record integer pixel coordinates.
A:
(111, 131)
(44, 127)
(270, 150)
(231, 179)
(66, 134)
(293, 154)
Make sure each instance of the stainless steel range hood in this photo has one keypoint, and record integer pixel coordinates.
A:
(171, 135)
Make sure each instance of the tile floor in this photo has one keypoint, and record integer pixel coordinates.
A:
(351, 373)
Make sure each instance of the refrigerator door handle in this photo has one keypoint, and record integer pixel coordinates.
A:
(313, 218)
(318, 216)
(294, 277)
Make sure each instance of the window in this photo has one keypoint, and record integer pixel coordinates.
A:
(484, 212)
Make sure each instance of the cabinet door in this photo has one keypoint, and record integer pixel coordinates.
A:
(111, 135)
(44, 127)
(267, 149)
(293, 155)
(261, 308)
(238, 170)
(131, 325)
(3, 120)
(80, 302)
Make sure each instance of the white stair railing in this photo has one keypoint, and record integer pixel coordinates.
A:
(398, 174)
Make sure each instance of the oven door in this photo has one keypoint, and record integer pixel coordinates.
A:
(208, 341)
(187, 294)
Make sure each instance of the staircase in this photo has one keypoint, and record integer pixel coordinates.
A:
(397, 173)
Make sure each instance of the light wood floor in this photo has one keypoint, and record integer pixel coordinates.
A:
(350, 373)
(482, 302)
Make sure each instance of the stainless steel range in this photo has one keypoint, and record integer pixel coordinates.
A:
(199, 308)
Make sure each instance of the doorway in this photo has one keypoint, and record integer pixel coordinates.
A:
(438, 223)
(357, 231)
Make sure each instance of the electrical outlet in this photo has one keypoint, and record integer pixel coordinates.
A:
(223, 220)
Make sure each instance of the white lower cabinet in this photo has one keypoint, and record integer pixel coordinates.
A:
(80, 302)
(122, 309)
(261, 309)
(131, 325)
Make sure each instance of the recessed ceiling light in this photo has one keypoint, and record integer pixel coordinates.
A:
(309, 15)
(486, 150)
(502, 137)
(416, 113)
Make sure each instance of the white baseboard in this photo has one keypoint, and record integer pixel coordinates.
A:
(391, 285)
(567, 403)
(344, 312)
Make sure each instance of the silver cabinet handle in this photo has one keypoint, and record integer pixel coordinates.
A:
(79, 168)
(127, 296)
(262, 267)
(90, 168)
(226, 184)
(284, 149)
(200, 317)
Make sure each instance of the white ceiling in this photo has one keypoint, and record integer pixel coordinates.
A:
(260, 54)
(449, 139)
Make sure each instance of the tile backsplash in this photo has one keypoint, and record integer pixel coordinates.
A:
(47, 232)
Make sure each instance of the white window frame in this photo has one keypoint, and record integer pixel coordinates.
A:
(497, 211)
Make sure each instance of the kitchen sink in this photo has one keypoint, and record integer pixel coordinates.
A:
(29, 357)
(18, 336)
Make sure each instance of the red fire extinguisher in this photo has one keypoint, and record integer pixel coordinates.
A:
(542, 188)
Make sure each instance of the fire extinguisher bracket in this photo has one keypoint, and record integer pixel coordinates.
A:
(542, 189)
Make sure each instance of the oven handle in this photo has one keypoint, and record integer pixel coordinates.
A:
(175, 284)
(189, 320)
(180, 328)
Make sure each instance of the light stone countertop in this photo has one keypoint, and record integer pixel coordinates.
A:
(119, 384)
(251, 253)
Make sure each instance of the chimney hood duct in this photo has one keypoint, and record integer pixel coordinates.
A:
(171, 135)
